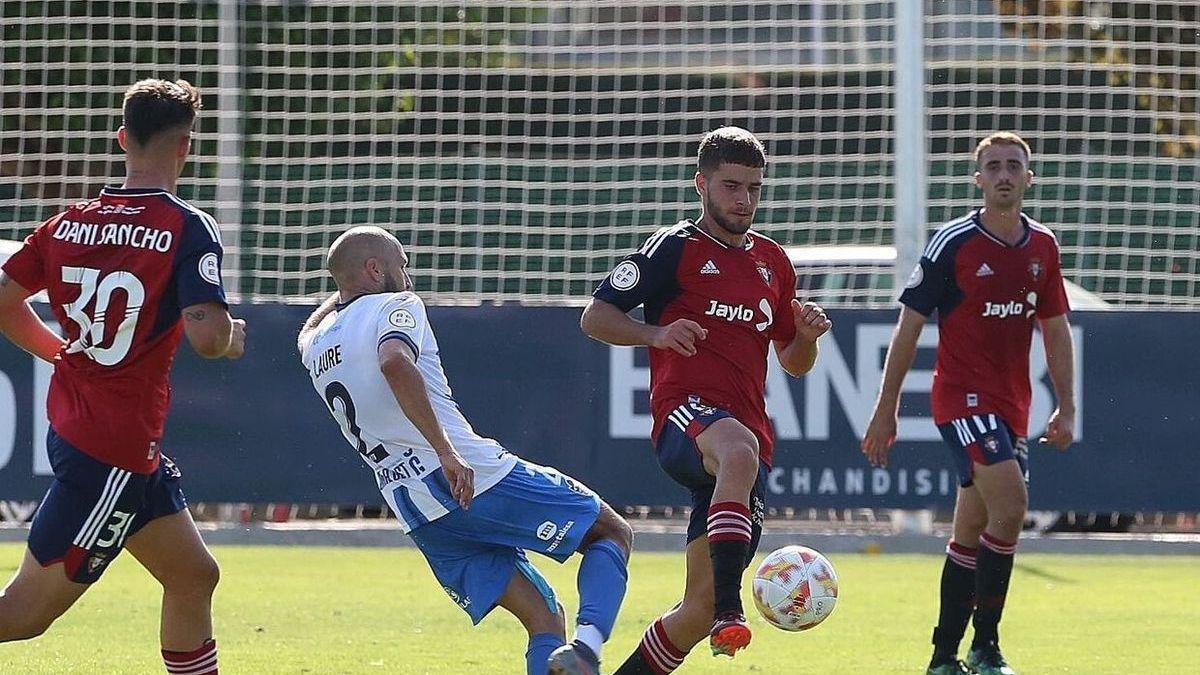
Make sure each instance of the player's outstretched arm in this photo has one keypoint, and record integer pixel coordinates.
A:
(798, 356)
(315, 320)
(212, 332)
(606, 322)
(1060, 361)
(21, 325)
(398, 364)
(881, 431)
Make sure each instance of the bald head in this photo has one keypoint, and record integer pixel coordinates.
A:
(368, 259)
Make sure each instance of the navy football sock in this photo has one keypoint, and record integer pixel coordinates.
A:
(729, 535)
(994, 564)
(958, 600)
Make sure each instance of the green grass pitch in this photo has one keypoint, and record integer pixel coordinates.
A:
(372, 610)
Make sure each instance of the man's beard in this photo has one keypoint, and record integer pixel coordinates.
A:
(724, 224)
(392, 284)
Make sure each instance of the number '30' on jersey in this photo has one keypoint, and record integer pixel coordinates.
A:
(118, 269)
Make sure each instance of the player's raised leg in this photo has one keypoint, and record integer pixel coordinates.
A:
(34, 598)
(958, 582)
(603, 575)
(1002, 488)
(76, 532)
(730, 453)
(171, 549)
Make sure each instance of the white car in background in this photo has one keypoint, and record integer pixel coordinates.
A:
(861, 276)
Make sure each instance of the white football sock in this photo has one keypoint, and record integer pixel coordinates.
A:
(590, 636)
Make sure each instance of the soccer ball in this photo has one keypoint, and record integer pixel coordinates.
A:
(795, 588)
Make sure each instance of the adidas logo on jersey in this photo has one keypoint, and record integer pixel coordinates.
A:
(984, 271)
(710, 268)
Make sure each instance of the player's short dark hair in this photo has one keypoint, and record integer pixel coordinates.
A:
(734, 145)
(152, 106)
(1003, 138)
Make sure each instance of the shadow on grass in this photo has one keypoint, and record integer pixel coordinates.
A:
(1038, 572)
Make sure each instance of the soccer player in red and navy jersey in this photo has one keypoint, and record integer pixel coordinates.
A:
(716, 295)
(988, 275)
(127, 274)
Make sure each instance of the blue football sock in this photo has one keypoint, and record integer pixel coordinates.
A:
(601, 582)
(540, 646)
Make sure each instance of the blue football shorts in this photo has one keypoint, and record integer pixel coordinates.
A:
(983, 439)
(474, 553)
(91, 508)
(680, 457)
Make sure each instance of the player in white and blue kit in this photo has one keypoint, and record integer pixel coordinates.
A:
(472, 508)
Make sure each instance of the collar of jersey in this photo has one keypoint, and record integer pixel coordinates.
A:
(343, 305)
(1024, 238)
(745, 247)
(132, 192)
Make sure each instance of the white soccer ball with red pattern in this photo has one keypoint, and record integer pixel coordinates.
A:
(795, 588)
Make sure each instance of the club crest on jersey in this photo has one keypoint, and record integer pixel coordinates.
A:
(990, 443)
(96, 561)
(764, 272)
(1035, 268)
(402, 318)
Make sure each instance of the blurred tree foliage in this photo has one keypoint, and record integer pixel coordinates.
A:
(372, 53)
(1146, 46)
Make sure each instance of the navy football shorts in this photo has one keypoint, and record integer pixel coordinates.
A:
(92, 507)
(983, 439)
(680, 457)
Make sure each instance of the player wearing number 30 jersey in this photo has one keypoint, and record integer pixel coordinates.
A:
(118, 269)
(127, 275)
(472, 508)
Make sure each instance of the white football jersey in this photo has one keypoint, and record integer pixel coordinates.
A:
(342, 358)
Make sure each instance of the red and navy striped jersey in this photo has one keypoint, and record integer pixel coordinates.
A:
(118, 270)
(741, 295)
(987, 294)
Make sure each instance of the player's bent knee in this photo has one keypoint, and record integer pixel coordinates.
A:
(210, 575)
(740, 458)
(621, 532)
(610, 525)
(1011, 518)
(198, 577)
